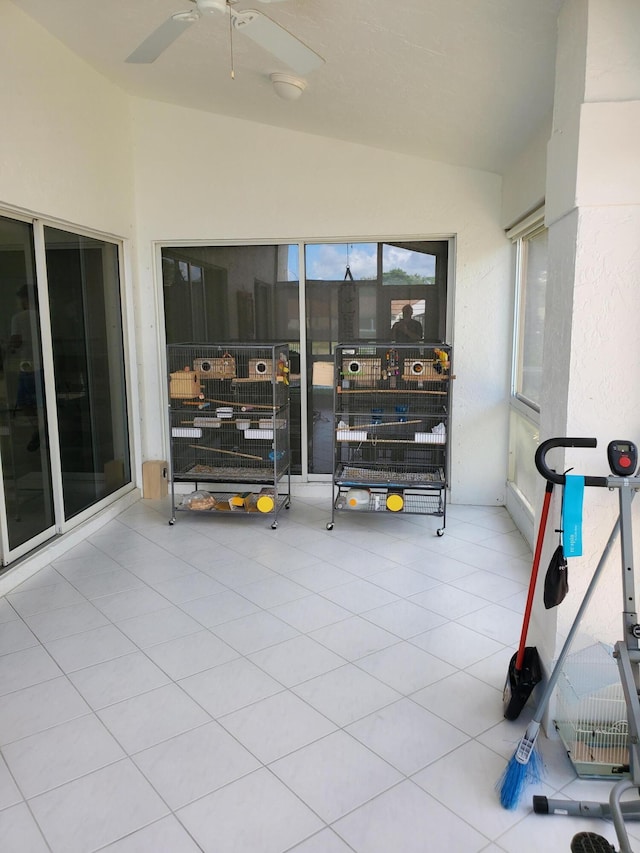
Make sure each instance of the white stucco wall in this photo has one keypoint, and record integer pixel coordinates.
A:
(523, 183)
(65, 145)
(210, 178)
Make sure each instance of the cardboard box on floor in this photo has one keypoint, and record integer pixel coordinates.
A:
(155, 484)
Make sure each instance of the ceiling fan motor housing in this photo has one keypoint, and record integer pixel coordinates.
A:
(212, 7)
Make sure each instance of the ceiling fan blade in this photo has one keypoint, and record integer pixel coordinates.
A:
(160, 39)
(278, 41)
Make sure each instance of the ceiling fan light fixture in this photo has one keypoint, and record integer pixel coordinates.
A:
(287, 87)
(212, 7)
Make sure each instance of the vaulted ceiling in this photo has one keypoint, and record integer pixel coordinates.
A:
(465, 82)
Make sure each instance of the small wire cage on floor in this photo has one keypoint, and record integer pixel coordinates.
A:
(591, 714)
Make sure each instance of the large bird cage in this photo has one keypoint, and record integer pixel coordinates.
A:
(391, 432)
(591, 713)
(229, 427)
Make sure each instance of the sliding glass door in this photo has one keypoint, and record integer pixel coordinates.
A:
(64, 437)
(88, 360)
(24, 447)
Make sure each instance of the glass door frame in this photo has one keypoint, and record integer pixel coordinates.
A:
(7, 554)
(61, 525)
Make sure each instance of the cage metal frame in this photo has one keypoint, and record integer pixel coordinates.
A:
(591, 714)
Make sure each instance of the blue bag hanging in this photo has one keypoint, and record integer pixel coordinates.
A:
(572, 515)
(556, 582)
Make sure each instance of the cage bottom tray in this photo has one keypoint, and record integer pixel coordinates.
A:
(414, 504)
(229, 474)
(595, 755)
(225, 509)
(352, 475)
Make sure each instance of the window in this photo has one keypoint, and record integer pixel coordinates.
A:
(530, 243)
(356, 292)
(196, 297)
(531, 288)
(237, 294)
(348, 291)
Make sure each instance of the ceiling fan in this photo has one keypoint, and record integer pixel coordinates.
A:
(258, 27)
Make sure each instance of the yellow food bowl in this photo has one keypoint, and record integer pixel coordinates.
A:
(265, 503)
(395, 502)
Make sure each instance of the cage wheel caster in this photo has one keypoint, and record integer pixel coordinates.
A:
(330, 525)
(287, 505)
(274, 525)
(172, 521)
(440, 531)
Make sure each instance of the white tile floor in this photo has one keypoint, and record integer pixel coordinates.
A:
(219, 686)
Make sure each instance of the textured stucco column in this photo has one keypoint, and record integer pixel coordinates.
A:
(592, 325)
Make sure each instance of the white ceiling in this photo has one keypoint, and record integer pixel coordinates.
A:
(466, 82)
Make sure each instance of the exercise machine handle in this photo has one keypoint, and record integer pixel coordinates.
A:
(553, 476)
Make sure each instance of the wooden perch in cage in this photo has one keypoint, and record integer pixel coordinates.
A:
(221, 421)
(227, 452)
(263, 378)
(386, 391)
(241, 406)
(376, 426)
(231, 404)
(391, 441)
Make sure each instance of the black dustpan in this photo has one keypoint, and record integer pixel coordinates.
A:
(520, 682)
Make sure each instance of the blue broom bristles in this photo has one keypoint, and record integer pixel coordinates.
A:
(517, 776)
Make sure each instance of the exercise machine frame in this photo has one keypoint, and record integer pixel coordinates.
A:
(626, 652)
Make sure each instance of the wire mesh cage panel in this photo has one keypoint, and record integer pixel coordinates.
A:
(229, 424)
(591, 714)
(391, 408)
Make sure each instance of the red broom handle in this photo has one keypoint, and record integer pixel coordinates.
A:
(534, 574)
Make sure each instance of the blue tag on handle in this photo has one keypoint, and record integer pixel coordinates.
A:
(572, 515)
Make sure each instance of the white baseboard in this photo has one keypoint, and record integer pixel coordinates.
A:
(521, 514)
